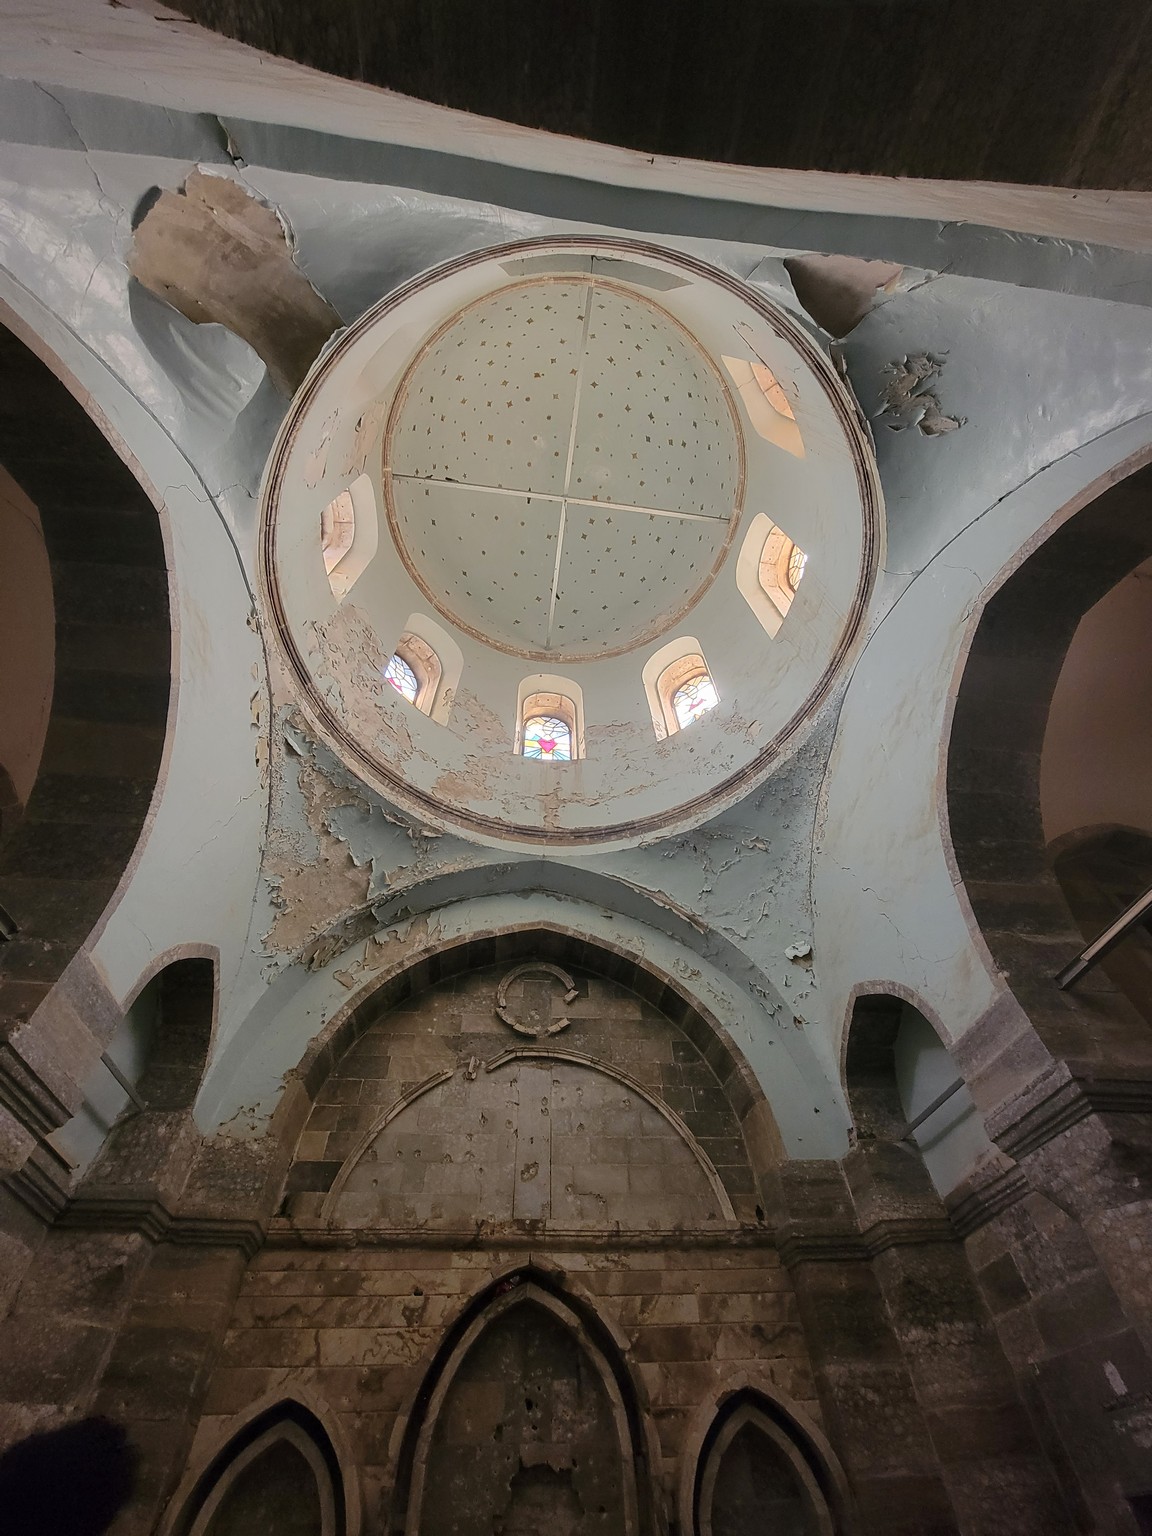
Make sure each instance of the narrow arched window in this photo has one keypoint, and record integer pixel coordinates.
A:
(349, 536)
(769, 569)
(402, 678)
(766, 404)
(550, 725)
(547, 738)
(414, 670)
(693, 698)
(337, 530)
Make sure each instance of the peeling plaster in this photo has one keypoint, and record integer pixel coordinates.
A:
(216, 253)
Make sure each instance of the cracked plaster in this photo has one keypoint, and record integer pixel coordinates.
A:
(1050, 370)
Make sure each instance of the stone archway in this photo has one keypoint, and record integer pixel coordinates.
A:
(82, 820)
(994, 813)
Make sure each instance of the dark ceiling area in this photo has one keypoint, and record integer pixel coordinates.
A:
(1055, 92)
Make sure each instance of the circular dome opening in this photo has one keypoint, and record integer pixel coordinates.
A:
(568, 471)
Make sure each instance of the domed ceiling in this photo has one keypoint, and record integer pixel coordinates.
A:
(563, 469)
(560, 469)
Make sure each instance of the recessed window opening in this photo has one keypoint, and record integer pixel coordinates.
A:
(550, 720)
(769, 569)
(337, 530)
(546, 733)
(694, 698)
(415, 671)
(679, 685)
(402, 678)
(349, 535)
(766, 404)
(547, 738)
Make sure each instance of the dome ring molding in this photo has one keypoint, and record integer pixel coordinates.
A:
(499, 831)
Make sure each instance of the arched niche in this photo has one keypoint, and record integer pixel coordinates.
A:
(754, 1466)
(157, 1054)
(994, 812)
(542, 1129)
(545, 942)
(84, 796)
(527, 1424)
(279, 1475)
(1101, 871)
(896, 1067)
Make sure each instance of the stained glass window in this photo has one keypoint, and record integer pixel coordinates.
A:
(694, 698)
(402, 678)
(797, 560)
(547, 738)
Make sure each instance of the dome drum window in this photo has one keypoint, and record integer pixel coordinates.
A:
(550, 724)
(769, 569)
(679, 685)
(414, 670)
(349, 536)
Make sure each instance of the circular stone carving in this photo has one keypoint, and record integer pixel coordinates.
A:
(563, 469)
(534, 1025)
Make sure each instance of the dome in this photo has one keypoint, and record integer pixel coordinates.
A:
(556, 500)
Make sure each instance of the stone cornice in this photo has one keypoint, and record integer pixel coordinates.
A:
(977, 1206)
(839, 1246)
(291, 1234)
(103, 1211)
(1058, 1102)
(38, 1186)
(27, 1096)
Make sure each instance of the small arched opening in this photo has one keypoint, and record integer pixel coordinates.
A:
(760, 1470)
(153, 1064)
(905, 1091)
(280, 1473)
(349, 536)
(550, 719)
(679, 685)
(769, 569)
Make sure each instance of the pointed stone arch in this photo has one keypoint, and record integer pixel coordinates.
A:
(600, 1450)
(750, 1421)
(284, 1448)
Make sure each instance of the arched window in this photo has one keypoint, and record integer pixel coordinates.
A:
(679, 685)
(414, 671)
(694, 697)
(402, 678)
(548, 738)
(550, 720)
(769, 569)
(759, 1474)
(766, 404)
(349, 535)
(337, 530)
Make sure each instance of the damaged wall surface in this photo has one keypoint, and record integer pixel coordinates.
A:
(912, 1329)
